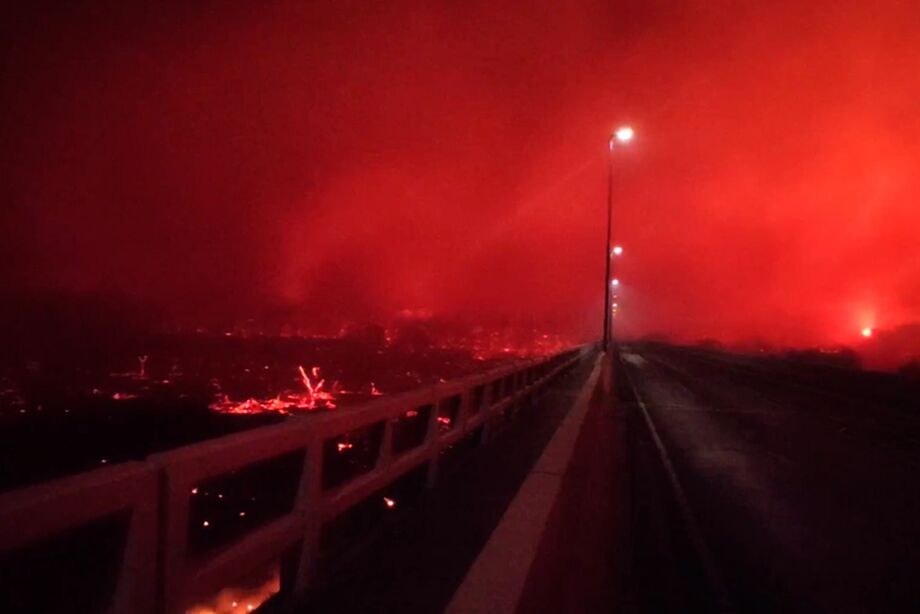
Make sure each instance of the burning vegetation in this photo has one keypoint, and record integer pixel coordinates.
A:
(242, 599)
(314, 396)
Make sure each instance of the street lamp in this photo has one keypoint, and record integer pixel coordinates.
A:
(622, 135)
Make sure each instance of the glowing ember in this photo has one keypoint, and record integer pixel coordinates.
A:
(316, 396)
(390, 503)
(239, 600)
(123, 396)
(344, 445)
(375, 392)
(444, 420)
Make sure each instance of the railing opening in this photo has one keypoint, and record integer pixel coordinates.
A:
(449, 412)
(351, 454)
(477, 399)
(75, 571)
(409, 429)
(453, 455)
(509, 385)
(497, 391)
(350, 530)
(228, 506)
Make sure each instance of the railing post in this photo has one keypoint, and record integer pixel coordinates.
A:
(385, 454)
(173, 541)
(137, 584)
(488, 400)
(465, 410)
(309, 506)
(517, 383)
(432, 442)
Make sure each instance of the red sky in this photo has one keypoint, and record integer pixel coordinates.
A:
(348, 160)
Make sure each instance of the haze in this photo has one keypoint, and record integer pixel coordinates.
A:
(342, 162)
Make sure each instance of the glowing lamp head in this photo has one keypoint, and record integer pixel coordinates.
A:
(624, 134)
(617, 250)
(866, 332)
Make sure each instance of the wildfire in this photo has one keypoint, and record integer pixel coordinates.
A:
(315, 396)
(240, 600)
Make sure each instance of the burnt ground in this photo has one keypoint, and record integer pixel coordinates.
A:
(58, 416)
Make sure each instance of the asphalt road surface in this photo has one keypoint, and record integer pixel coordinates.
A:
(760, 485)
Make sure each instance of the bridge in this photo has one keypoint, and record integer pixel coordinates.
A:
(151, 544)
(654, 478)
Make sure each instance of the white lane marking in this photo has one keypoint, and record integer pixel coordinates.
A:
(693, 528)
(495, 581)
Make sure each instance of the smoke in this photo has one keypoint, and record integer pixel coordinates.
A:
(785, 205)
(345, 161)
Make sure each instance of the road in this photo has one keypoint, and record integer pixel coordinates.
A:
(759, 485)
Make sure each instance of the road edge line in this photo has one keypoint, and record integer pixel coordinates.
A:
(692, 525)
(495, 581)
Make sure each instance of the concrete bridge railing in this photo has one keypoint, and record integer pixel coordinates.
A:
(159, 570)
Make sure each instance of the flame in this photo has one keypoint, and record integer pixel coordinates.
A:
(239, 600)
(288, 402)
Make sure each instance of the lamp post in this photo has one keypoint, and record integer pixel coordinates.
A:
(621, 135)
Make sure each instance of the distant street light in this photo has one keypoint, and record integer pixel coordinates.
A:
(624, 134)
(621, 135)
